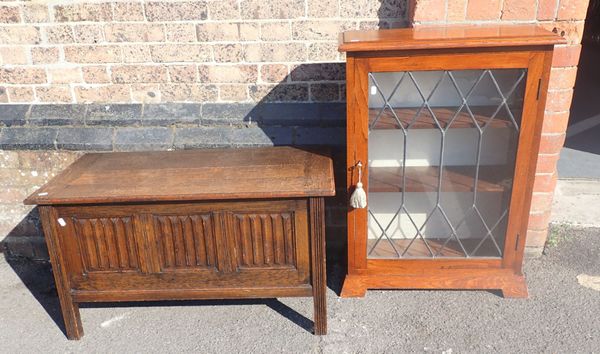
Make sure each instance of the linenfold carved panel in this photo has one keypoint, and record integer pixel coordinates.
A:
(185, 241)
(264, 239)
(107, 243)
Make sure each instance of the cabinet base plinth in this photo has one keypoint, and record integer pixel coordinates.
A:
(510, 284)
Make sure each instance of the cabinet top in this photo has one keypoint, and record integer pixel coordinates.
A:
(449, 36)
(187, 175)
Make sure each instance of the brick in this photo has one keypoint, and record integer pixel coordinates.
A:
(484, 9)
(319, 72)
(176, 11)
(320, 136)
(20, 94)
(44, 55)
(10, 14)
(282, 52)
(545, 183)
(54, 93)
(59, 34)
(209, 32)
(224, 10)
(102, 93)
(541, 202)
(429, 11)
(258, 9)
(373, 9)
(538, 221)
(555, 123)
(227, 113)
(299, 114)
(134, 32)
(275, 31)
(96, 139)
(562, 78)
(249, 31)
(232, 73)
(273, 73)
(113, 114)
(19, 35)
(536, 238)
(13, 138)
(180, 32)
(319, 30)
(145, 93)
(233, 92)
(57, 114)
(326, 92)
(323, 51)
(122, 74)
(572, 9)
(137, 53)
(572, 31)
(203, 137)
(166, 114)
(83, 12)
(279, 93)
(181, 53)
(566, 55)
(547, 163)
(13, 55)
(228, 53)
(519, 9)
(128, 11)
(188, 93)
(559, 101)
(95, 74)
(323, 8)
(547, 9)
(88, 33)
(183, 73)
(457, 10)
(551, 143)
(93, 54)
(143, 139)
(36, 13)
(65, 75)
(3, 95)
(22, 75)
(13, 114)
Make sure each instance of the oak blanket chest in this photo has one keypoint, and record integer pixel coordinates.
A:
(194, 224)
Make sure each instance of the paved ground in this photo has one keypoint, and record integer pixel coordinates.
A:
(560, 316)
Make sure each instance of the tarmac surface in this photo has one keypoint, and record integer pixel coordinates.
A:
(560, 315)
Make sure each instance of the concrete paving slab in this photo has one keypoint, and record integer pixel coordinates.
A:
(577, 201)
(559, 316)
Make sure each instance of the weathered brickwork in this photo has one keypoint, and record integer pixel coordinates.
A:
(565, 17)
(58, 51)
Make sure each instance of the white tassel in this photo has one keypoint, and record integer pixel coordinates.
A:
(358, 199)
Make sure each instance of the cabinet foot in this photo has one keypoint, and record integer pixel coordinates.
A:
(516, 290)
(353, 287)
(72, 320)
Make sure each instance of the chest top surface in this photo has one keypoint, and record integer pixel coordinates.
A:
(449, 36)
(187, 175)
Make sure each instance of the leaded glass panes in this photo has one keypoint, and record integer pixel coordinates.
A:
(442, 149)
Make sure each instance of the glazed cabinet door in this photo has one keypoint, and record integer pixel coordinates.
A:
(441, 151)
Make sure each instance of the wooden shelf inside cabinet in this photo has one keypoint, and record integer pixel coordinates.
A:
(444, 115)
(418, 249)
(425, 179)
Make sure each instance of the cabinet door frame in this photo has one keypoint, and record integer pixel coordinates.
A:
(536, 60)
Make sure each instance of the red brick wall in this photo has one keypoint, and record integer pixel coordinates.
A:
(565, 17)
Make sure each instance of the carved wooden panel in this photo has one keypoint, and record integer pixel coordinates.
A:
(264, 239)
(185, 241)
(107, 243)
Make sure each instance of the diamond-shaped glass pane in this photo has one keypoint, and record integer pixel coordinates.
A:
(442, 149)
